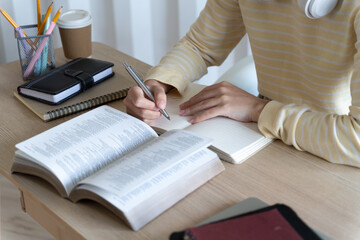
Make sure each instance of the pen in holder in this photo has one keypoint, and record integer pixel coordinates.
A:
(36, 52)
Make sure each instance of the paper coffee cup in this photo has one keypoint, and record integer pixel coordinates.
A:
(75, 32)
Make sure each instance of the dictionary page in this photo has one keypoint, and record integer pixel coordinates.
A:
(147, 181)
(137, 167)
(81, 146)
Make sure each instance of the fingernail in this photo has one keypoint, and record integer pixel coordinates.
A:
(161, 104)
(181, 106)
(182, 112)
(191, 121)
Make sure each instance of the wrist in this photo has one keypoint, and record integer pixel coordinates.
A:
(259, 106)
(154, 82)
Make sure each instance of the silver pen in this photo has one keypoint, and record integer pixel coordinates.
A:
(141, 84)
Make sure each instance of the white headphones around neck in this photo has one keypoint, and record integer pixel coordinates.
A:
(317, 8)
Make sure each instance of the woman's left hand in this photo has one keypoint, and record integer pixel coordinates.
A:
(223, 99)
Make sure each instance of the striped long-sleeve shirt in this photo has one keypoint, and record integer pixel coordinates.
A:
(309, 67)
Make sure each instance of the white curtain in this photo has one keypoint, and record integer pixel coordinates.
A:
(144, 29)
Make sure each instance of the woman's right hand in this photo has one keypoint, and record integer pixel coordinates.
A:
(140, 106)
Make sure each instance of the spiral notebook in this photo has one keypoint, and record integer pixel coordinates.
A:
(111, 90)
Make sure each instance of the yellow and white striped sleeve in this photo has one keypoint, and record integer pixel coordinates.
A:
(210, 39)
(334, 137)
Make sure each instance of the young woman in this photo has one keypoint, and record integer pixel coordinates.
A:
(306, 54)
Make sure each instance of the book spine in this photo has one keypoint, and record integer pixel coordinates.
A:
(78, 107)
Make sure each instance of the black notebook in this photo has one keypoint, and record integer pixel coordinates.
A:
(67, 80)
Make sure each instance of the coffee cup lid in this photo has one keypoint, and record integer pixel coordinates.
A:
(75, 18)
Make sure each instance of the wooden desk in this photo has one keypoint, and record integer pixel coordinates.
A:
(326, 196)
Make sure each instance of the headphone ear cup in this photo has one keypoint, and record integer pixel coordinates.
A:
(317, 8)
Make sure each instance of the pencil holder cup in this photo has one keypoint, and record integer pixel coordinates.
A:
(36, 52)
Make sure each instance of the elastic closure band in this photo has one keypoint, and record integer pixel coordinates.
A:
(85, 79)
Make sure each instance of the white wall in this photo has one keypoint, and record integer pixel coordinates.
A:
(144, 29)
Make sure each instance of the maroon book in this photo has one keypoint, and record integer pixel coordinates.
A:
(274, 222)
(267, 225)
